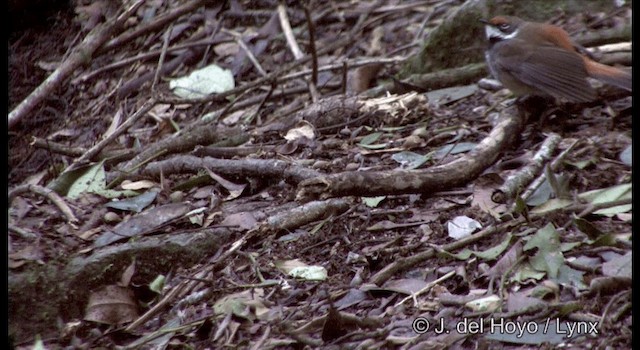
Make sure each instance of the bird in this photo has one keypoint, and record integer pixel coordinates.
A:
(531, 58)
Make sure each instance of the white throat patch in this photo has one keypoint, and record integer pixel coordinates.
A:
(493, 32)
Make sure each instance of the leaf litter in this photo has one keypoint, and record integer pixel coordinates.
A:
(366, 267)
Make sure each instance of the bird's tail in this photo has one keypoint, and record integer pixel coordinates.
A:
(609, 75)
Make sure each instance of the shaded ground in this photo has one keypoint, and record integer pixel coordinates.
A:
(389, 260)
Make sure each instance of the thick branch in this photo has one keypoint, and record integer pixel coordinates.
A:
(440, 178)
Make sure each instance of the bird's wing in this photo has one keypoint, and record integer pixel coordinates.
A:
(555, 71)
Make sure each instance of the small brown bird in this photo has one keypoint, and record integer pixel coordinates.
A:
(540, 59)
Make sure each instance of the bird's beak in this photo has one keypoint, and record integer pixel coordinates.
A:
(484, 21)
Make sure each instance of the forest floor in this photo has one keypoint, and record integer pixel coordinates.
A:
(293, 208)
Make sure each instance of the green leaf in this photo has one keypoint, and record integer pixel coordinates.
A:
(570, 277)
(375, 146)
(62, 183)
(39, 344)
(611, 211)
(94, 180)
(410, 160)
(546, 239)
(606, 240)
(548, 261)
(370, 139)
(587, 228)
(606, 195)
(495, 251)
(464, 254)
(373, 202)
(568, 246)
(569, 308)
(521, 207)
(393, 128)
(548, 258)
(488, 254)
(157, 284)
(455, 148)
(526, 272)
(582, 164)
(551, 205)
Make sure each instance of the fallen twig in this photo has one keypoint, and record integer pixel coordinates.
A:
(80, 56)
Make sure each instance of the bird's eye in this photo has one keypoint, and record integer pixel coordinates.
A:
(504, 26)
